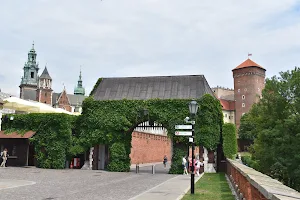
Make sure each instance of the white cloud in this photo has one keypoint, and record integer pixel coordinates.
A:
(143, 38)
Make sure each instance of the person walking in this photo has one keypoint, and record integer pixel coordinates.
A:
(4, 155)
(165, 161)
(184, 165)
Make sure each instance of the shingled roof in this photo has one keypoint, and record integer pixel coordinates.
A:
(248, 63)
(162, 87)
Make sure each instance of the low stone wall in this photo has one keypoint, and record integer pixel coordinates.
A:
(251, 184)
(149, 148)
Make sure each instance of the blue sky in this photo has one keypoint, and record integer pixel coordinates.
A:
(113, 38)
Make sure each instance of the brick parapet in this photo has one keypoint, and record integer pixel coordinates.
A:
(251, 184)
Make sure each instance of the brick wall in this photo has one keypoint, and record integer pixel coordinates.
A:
(147, 148)
(44, 96)
(64, 103)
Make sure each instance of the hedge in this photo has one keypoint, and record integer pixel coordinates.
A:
(230, 146)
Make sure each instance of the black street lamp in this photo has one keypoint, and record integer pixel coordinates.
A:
(193, 107)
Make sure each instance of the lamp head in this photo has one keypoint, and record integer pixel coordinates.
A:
(193, 107)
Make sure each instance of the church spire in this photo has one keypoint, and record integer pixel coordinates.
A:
(79, 90)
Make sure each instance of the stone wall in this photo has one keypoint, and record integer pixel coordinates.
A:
(148, 148)
(250, 184)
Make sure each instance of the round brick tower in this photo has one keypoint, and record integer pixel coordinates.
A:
(249, 80)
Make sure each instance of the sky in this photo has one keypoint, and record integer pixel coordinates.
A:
(117, 38)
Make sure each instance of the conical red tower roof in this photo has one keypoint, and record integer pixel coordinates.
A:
(248, 63)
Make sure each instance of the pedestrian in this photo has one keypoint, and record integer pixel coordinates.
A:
(184, 165)
(198, 163)
(4, 156)
(165, 161)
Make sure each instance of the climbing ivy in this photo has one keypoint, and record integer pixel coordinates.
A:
(112, 122)
(53, 139)
(210, 119)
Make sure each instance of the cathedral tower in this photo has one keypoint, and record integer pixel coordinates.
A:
(44, 91)
(79, 90)
(29, 80)
(249, 81)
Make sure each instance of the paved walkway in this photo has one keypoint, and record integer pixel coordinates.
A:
(172, 189)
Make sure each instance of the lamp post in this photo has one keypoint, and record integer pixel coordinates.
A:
(193, 107)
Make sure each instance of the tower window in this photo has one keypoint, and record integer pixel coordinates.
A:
(46, 94)
(243, 105)
(32, 74)
(243, 97)
(225, 115)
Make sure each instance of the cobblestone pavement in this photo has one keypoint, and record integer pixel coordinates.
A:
(79, 184)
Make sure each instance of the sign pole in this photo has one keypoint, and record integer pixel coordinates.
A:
(193, 167)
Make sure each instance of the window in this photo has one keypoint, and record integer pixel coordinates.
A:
(32, 74)
(239, 90)
(243, 105)
(228, 117)
(45, 102)
(243, 97)
(225, 115)
(45, 94)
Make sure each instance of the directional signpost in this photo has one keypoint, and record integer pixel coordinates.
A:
(183, 133)
(184, 127)
(187, 131)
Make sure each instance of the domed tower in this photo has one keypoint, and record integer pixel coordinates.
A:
(44, 91)
(249, 81)
(29, 80)
(79, 90)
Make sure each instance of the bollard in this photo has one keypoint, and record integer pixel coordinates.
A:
(137, 168)
(153, 169)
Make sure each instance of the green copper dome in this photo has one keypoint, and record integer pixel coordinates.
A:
(79, 90)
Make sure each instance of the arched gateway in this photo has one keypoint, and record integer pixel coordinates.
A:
(117, 106)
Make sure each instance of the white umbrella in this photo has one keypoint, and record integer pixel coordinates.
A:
(18, 104)
(31, 106)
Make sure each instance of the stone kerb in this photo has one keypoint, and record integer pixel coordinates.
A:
(259, 185)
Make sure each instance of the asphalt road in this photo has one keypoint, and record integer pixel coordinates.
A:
(77, 184)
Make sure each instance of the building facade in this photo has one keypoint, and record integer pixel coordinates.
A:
(39, 88)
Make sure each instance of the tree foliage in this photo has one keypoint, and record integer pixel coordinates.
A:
(277, 128)
(229, 140)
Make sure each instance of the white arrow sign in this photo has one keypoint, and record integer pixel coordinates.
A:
(183, 133)
(183, 126)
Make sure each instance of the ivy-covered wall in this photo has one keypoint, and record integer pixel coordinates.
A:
(112, 121)
(53, 139)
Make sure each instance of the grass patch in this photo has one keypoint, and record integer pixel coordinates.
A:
(211, 187)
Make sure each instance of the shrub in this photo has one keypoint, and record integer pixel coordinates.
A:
(229, 140)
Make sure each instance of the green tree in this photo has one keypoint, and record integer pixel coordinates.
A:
(275, 124)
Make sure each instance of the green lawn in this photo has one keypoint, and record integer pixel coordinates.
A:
(211, 187)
